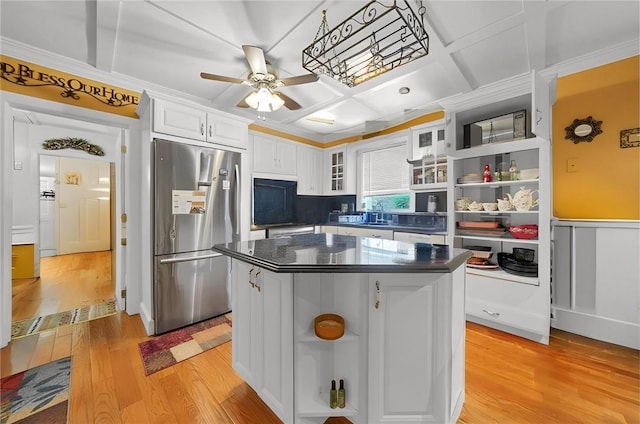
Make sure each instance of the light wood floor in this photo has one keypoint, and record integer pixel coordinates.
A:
(66, 282)
(508, 379)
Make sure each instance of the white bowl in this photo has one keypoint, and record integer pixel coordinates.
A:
(490, 206)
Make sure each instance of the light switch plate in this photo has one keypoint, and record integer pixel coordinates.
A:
(572, 165)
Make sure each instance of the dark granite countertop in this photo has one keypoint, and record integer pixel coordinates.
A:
(420, 229)
(340, 253)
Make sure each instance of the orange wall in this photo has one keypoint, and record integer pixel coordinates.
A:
(606, 183)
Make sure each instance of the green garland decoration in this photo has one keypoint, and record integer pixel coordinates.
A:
(72, 143)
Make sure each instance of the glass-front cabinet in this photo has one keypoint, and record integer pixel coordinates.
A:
(428, 157)
(337, 170)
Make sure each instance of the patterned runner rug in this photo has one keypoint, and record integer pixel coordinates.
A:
(38, 395)
(86, 313)
(170, 348)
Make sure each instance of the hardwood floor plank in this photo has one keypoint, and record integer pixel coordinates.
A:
(16, 357)
(81, 397)
(105, 402)
(43, 352)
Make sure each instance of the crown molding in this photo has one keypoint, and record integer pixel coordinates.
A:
(593, 60)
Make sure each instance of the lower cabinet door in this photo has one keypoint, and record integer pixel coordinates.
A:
(243, 328)
(274, 342)
(406, 356)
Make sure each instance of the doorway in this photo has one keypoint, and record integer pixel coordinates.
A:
(74, 226)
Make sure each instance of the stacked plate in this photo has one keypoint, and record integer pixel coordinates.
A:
(480, 257)
(470, 178)
(513, 266)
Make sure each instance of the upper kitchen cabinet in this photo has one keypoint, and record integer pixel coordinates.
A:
(273, 156)
(515, 109)
(189, 120)
(428, 156)
(339, 171)
(309, 170)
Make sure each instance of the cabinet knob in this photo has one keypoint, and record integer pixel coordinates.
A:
(201, 129)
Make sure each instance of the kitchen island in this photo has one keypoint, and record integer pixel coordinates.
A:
(402, 353)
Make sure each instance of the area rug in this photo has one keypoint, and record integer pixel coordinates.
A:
(170, 348)
(38, 395)
(47, 322)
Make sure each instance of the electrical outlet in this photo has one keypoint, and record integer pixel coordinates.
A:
(572, 165)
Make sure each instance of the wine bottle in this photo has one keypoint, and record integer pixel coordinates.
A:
(333, 395)
(341, 399)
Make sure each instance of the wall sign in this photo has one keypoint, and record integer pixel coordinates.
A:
(33, 80)
(630, 138)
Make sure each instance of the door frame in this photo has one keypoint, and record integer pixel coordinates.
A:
(125, 156)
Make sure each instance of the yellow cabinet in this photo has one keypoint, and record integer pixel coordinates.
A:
(22, 261)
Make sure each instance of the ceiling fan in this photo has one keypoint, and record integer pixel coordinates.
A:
(264, 79)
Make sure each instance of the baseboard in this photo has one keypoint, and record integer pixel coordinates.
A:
(597, 327)
(147, 321)
(544, 339)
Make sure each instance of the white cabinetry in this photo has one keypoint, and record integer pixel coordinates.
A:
(511, 302)
(263, 333)
(198, 123)
(273, 156)
(366, 232)
(332, 229)
(419, 238)
(416, 365)
(339, 171)
(429, 155)
(309, 165)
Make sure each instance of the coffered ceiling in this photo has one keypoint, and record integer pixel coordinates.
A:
(166, 44)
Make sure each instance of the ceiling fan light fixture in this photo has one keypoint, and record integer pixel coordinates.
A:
(276, 101)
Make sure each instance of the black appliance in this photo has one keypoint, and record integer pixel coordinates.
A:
(273, 201)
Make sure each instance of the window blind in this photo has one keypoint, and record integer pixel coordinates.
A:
(385, 171)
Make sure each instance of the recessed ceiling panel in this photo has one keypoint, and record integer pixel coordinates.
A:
(455, 19)
(574, 30)
(426, 85)
(348, 114)
(56, 26)
(259, 23)
(495, 58)
(174, 54)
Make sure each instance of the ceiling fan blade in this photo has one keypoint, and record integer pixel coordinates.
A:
(289, 103)
(300, 79)
(220, 78)
(243, 103)
(255, 57)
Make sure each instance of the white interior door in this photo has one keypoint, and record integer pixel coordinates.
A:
(83, 203)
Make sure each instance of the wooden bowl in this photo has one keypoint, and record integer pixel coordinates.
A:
(329, 326)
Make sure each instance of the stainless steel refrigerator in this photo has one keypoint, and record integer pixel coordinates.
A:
(195, 205)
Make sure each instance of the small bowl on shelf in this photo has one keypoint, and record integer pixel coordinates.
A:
(475, 206)
(329, 326)
(490, 207)
(525, 231)
(524, 255)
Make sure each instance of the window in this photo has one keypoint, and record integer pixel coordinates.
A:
(385, 179)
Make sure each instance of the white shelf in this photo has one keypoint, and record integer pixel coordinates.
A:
(310, 337)
(500, 239)
(318, 406)
(500, 274)
(497, 184)
(500, 147)
(496, 212)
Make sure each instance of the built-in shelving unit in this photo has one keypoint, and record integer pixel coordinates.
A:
(515, 302)
(318, 361)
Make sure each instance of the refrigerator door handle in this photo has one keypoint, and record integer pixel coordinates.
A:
(190, 258)
(237, 171)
